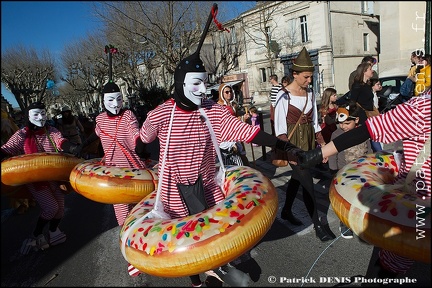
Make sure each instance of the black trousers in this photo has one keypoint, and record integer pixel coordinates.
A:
(302, 177)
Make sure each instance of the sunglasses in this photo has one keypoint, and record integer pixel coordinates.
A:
(228, 92)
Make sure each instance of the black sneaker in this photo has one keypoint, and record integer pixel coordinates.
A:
(232, 276)
(345, 232)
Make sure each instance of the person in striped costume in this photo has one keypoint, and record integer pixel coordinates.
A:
(36, 137)
(118, 130)
(187, 147)
(409, 122)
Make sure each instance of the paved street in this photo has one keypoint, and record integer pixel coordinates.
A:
(288, 256)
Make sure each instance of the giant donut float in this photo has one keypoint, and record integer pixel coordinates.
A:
(113, 185)
(206, 240)
(381, 213)
(37, 167)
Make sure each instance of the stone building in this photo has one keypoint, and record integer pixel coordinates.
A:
(338, 34)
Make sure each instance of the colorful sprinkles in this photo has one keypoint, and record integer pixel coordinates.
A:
(248, 191)
(369, 184)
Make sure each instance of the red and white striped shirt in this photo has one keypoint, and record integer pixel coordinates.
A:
(190, 148)
(118, 136)
(411, 123)
(15, 144)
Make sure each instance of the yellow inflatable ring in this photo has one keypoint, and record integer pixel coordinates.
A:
(207, 240)
(113, 185)
(37, 167)
(364, 197)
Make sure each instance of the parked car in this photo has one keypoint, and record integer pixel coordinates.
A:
(388, 97)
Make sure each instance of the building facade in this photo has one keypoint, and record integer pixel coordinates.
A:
(337, 34)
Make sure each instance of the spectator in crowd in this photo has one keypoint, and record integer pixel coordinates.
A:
(363, 95)
(367, 59)
(376, 87)
(285, 81)
(70, 126)
(422, 77)
(93, 149)
(407, 88)
(214, 95)
(328, 113)
(254, 119)
(276, 86)
(233, 152)
(238, 94)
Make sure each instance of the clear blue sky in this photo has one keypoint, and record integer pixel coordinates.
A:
(51, 25)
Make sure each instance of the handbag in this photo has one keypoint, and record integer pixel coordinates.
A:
(280, 158)
(370, 113)
(193, 196)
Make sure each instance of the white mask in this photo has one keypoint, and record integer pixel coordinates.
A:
(194, 86)
(37, 117)
(113, 102)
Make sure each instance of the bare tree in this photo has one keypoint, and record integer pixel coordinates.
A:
(86, 70)
(291, 35)
(260, 32)
(25, 73)
(222, 55)
(166, 31)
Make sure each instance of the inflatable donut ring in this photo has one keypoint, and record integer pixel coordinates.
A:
(113, 185)
(206, 240)
(37, 167)
(364, 197)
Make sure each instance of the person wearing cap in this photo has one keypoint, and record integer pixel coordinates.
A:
(296, 110)
(70, 126)
(35, 137)
(367, 59)
(187, 154)
(347, 118)
(409, 122)
(118, 130)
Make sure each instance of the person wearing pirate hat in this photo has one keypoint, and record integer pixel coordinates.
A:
(296, 116)
(35, 137)
(191, 162)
